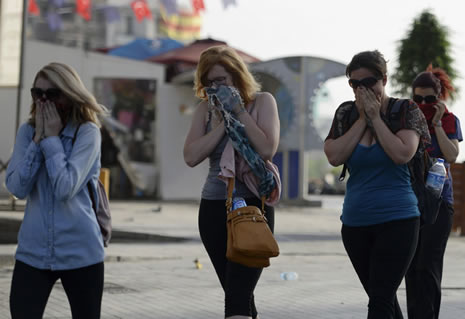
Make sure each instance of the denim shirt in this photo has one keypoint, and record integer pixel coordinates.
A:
(59, 229)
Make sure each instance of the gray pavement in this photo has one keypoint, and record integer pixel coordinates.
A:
(156, 277)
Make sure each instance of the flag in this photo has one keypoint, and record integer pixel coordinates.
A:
(57, 3)
(83, 8)
(182, 26)
(170, 6)
(54, 21)
(111, 14)
(33, 8)
(141, 10)
(198, 5)
(227, 3)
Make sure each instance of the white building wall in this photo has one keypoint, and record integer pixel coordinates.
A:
(10, 40)
(89, 65)
(176, 179)
(7, 129)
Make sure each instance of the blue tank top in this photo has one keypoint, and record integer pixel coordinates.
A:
(378, 190)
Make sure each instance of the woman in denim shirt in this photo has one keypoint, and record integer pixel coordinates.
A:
(59, 236)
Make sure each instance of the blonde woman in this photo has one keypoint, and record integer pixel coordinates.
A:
(56, 154)
(219, 70)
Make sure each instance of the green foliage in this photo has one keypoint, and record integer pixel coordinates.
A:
(426, 42)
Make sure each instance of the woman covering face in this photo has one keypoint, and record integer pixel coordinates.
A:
(55, 165)
(233, 114)
(380, 216)
(423, 281)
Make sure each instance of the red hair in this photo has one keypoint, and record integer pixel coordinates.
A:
(435, 78)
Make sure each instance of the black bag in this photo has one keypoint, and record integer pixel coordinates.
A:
(102, 210)
(419, 165)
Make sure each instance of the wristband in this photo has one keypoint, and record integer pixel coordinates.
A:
(438, 123)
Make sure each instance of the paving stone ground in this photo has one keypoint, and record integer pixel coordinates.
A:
(160, 280)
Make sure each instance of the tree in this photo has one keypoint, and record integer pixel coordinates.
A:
(426, 42)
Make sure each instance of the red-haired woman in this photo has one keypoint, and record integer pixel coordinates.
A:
(423, 280)
(222, 71)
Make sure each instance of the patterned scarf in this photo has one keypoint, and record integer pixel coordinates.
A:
(223, 99)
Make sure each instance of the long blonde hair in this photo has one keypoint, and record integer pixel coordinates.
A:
(225, 56)
(84, 106)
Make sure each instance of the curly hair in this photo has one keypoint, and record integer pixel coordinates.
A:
(435, 78)
(225, 56)
(84, 106)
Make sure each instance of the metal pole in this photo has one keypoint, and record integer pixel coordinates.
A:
(21, 62)
(302, 124)
(20, 82)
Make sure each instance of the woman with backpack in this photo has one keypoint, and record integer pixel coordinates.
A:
(59, 236)
(423, 280)
(380, 217)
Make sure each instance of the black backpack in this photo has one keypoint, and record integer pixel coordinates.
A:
(419, 165)
(102, 210)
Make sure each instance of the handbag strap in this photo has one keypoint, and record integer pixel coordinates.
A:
(231, 181)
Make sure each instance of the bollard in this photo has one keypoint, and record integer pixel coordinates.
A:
(105, 179)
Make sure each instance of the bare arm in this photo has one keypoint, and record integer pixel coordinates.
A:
(264, 134)
(449, 148)
(199, 144)
(339, 150)
(400, 147)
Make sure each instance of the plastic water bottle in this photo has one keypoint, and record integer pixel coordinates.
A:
(436, 177)
(289, 275)
(238, 202)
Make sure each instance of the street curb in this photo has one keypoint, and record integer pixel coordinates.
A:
(9, 228)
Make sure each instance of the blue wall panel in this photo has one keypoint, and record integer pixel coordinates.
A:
(293, 178)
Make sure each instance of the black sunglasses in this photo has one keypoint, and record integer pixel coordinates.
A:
(50, 94)
(366, 82)
(428, 99)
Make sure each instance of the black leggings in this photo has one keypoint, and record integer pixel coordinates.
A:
(381, 255)
(423, 279)
(238, 281)
(31, 287)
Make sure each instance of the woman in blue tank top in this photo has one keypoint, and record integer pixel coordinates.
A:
(380, 217)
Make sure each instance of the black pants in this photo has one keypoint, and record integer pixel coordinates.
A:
(238, 281)
(31, 287)
(381, 255)
(423, 279)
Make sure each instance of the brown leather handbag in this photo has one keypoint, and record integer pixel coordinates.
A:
(250, 240)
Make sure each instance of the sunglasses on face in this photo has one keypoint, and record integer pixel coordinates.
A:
(50, 94)
(428, 99)
(366, 82)
(217, 81)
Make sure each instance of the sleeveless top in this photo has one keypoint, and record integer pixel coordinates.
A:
(378, 190)
(214, 188)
